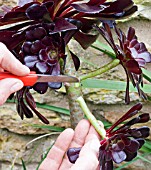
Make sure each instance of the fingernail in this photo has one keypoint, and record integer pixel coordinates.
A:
(17, 86)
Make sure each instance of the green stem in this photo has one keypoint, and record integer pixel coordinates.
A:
(90, 117)
(101, 70)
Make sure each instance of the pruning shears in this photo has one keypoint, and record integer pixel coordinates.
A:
(32, 78)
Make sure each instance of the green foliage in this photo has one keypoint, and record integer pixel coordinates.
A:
(112, 85)
(53, 108)
(23, 164)
(51, 128)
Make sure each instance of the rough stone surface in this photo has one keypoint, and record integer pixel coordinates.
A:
(109, 105)
(14, 147)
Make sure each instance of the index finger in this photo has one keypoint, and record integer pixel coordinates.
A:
(10, 63)
(56, 154)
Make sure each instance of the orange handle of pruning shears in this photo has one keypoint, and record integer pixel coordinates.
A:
(28, 80)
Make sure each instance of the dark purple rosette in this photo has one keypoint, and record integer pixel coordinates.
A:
(122, 141)
(132, 55)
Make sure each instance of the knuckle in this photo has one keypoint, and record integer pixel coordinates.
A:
(2, 98)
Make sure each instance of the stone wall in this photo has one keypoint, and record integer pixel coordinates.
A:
(15, 135)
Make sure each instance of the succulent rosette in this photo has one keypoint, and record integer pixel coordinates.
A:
(132, 55)
(122, 141)
(37, 32)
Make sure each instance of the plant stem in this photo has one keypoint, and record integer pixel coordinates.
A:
(73, 91)
(101, 70)
(90, 117)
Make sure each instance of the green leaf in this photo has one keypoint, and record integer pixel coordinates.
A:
(146, 74)
(51, 128)
(148, 144)
(48, 107)
(54, 108)
(112, 85)
(23, 164)
(144, 159)
(146, 147)
(104, 48)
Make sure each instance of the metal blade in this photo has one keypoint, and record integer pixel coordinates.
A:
(60, 78)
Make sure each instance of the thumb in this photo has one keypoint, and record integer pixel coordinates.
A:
(7, 87)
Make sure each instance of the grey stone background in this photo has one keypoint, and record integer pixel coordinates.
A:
(14, 132)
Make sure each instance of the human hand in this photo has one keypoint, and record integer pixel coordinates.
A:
(84, 136)
(10, 63)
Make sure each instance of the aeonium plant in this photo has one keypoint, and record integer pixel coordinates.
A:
(133, 55)
(121, 141)
(37, 32)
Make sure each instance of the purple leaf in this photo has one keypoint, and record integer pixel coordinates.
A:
(73, 154)
(86, 8)
(133, 111)
(144, 118)
(131, 33)
(118, 157)
(40, 116)
(29, 99)
(37, 46)
(76, 61)
(42, 67)
(55, 85)
(108, 165)
(55, 71)
(133, 66)
(62, 25)
(126, 140)
(26, 111)
(17, 14)
(144, 130)
(9, 40)
(96, 2)
(88, 24)
(130, 155)
(39, 33)
(118, 146)
(141, 142)
(133, 147)
(36, 12)
(30, 61)
(84, 39)
(43, 55)
(118, 6)
(145, 55)
(26, 47)
(41, 87)
(108, 155)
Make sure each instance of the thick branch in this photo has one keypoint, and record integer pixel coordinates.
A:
(73, 92)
